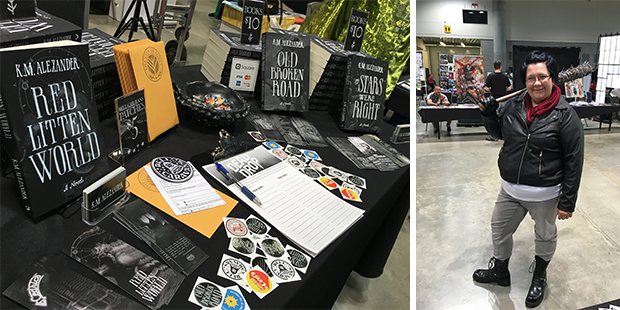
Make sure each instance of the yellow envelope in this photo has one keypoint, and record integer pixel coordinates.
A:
(205, 222)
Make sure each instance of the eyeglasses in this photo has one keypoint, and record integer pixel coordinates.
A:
(532, 79)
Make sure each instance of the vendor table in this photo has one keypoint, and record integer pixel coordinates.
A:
(364, 247)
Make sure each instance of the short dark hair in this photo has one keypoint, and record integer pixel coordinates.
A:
(537, 57)
(497, 64)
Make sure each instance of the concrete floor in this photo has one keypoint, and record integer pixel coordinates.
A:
(392, 289)
(457, 181)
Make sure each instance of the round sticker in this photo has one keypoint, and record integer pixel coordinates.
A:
(328, 182)
(311, 154)
(257, 135)
(338, 174)
(282, 269)
(297, 258)
(316, 165)
(208, 295)
(259, 281)
(293, 150)
(243, 245)
(279, 153)
(256, 226)
(296, 162)
(325, 170)
(272, 145)
(272, 247)
(350, 194)
(262, 262)
(236, 227)
(356, 180)
(233, 268)
(172, 169)
(233, 301)
(311, 173)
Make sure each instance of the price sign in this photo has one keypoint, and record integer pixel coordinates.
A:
(357, 28)
(252, 21)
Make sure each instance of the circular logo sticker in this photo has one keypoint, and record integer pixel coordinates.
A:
(233, 268)
(329, 183)
(350, 194)
(236, 227)
(311, 154)
(272, 145)
(262, 262)
(152, 64)
(311, 173)
(259, 281)
(272, 247)
(357, 180)
(297, 258)
(146, 182)
(316, 165)
(208, 295)
(282, 269)
(256, 226)
(293, 150)
(172, 169)
(296, 162)
(279, 153)
(233, 301)
(243, 245)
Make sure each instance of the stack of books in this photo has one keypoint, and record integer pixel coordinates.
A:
(44, 27)
(106, 84)
(222, 49)
(328, 68)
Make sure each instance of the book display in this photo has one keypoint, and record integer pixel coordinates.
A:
(132, 126)
(52, 131)
(106, 84)
(44, 27)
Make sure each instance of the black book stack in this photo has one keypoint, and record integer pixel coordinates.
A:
(106, 83)
(222, 47)
(44, 27)
(328, 68)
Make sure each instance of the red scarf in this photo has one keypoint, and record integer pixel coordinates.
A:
(542, 107)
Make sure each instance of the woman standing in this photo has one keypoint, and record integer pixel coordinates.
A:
(540, 165)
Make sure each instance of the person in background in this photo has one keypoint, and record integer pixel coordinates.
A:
(431, 82)
(437, 98)
(498, 84)
(540, 165)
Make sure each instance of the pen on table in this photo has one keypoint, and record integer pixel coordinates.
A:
(243, 189)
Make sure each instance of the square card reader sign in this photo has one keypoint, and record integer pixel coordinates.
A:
(243, 74)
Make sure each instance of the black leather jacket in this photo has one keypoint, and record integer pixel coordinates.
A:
(547, 153)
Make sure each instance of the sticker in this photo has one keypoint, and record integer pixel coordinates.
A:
(260, 282)
(272, 247)
(257, 226)
(350, 192)
(311, 172)
(357, 181)
(296, 162)
(257, 136)
(206, 294)
(245, 246)
(233, 300)
(311, 155)
(316, 165)
(328, 182)
(338, 173)
(234, 269)
(261, 262)
(279, 153)
(293, 150)
(172, 169)
(298, 259)
(272, 145)
(235, 227)
(283, 271)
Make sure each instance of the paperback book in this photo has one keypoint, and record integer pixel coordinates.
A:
(143, 277)
(52, 284)
(50, 126)
(132, 125)
(285, 71)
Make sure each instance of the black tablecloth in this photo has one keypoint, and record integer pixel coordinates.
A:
(364, 247)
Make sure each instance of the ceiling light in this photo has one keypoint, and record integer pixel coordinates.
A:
(462, 44)
(441, 43)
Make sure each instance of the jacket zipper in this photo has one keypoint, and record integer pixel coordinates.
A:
(540, 163)
(524, 148)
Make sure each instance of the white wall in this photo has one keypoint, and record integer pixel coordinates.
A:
(578, 21)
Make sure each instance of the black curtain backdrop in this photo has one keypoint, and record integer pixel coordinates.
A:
(564, 56)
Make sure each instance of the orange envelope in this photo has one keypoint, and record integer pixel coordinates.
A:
(143, 64)
(205, 222)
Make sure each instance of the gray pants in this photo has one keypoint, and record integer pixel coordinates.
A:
(508, 214)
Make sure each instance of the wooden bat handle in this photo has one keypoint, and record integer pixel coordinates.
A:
(517, 93)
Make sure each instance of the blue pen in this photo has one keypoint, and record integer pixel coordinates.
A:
(243, 189)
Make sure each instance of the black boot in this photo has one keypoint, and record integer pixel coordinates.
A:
(497, 272)
(539, 282)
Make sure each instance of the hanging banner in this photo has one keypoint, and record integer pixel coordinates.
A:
(468, 78)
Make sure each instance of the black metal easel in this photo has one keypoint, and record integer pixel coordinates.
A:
(135, 20)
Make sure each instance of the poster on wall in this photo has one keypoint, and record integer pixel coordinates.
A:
(419, 69)
(468, 78)
(446, 72)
